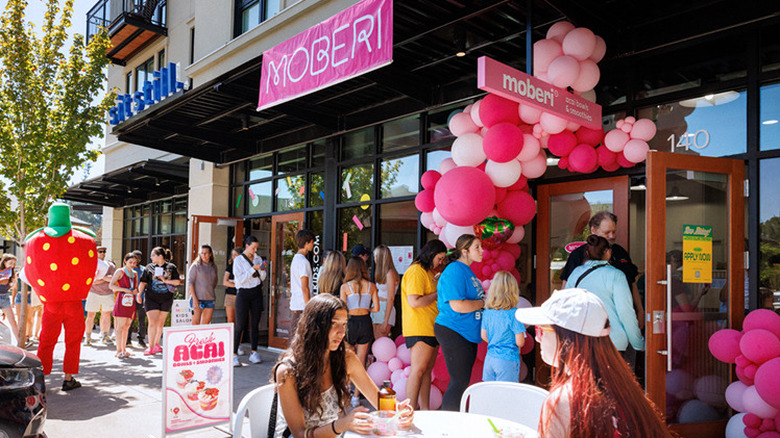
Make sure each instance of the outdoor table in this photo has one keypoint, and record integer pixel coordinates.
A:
(447, 424)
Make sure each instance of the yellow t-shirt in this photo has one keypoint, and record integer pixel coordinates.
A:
(417, 321)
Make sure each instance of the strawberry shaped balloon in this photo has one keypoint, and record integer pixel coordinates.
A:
(61, 259)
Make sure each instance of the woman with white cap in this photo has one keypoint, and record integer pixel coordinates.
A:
(589, 377)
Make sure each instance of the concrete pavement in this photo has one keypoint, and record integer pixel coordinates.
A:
(123, 398)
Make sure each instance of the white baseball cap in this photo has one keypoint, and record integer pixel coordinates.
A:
(573, 309)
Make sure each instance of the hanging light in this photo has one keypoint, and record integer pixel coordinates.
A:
(676, 195)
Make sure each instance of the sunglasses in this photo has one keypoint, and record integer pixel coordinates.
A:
(540, 330)
(101, 251)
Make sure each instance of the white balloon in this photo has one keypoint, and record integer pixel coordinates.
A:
(529, 114)
(535, 167)
(503, 174)
(438, 219)
(467, 150)
(474, 113)
(736, 427)
(452, 232)
(517, 234)
(552, 124)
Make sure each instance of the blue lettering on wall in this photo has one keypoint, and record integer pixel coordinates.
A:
(162, 85)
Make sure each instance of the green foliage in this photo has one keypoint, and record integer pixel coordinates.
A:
(47, 113)
(769, 259)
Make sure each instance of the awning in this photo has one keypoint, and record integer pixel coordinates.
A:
(140, 182)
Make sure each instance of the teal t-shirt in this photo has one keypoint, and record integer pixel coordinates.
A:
(458, 282)
(501, 327)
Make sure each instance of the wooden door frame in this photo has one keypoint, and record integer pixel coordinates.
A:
(274, 341)
(657, 165)
(203, 219)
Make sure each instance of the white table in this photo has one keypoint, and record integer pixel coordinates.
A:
(446, 424)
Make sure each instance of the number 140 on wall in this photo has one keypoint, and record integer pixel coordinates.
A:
(699, 140)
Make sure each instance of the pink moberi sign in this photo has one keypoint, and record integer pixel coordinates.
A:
(505, 81)
(352, 42)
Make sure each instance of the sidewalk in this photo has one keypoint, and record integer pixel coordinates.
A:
(122, 397)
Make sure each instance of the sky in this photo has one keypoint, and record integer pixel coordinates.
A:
(34, 14)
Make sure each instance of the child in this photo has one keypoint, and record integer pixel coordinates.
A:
(503, 333)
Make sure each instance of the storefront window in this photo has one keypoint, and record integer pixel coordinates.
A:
(770, 117)
(290, 192)
(258, 197)
(317, 193)
(261, 167)
(713, 125)
(398, 224)
(399, 176)
(769, 229)
(318, 151)
(292, 160)
(358, 144)
(355, 227)
(434, 158)
(400, 134)
(438, 122)
(180, 222)
(238, 201)
(169, 218)
(357, 183)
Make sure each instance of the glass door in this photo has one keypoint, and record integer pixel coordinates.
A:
(283, 248)
(695, 284)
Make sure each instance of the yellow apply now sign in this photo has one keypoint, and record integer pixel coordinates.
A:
(697, 254)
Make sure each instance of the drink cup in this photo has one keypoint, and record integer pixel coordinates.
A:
(385, 423)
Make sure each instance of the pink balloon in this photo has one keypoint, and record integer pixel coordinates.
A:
(453, 232)
(474, 113)
(429, 179)
(424, 201)
(462, 123)
(545, 51)
(397, 374)
(562, 144)
(528, 345)
(379, 372)
(759, 345)
(531, 148)
(734, 394)
(636, 151)
(600, 50)
(756, 405)
(768, 382)
(583, 158)
(503, 174)
(643, 129)
(571, 126)
(399, 386)
(621, 159)
(407, 371)
(517, 235)
(437, 219)
(383, 349)
(615, 140)
(395, 364)
(626, 128)
(495, 109)
(503, 142)
(536, 167)
(518, 207)
(724, 345)
(579, 43)
(764, 319)
(435, 398)
(588, 77)
(426, 219)
(630, 120)
(446, 165)
(467, 150)
(467, 108)
(405, 354)
(529, 114)
(523, 371)
(441, 384)
(563, 71)
(559, 30)
(464, 196)
(551, 123)
(399, 340)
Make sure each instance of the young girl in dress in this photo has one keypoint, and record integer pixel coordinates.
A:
(7, 288)
(504, 334)
(125, 284)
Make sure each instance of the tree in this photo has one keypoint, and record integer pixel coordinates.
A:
(47, 114)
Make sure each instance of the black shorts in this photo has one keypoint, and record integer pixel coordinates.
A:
(161, 302)
(360, 329)
(430, 340)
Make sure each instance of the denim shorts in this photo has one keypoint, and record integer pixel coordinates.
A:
(5, 301)
(204, 304)
(18, 300)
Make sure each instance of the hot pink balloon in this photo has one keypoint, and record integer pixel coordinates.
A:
(616, 140)
(429, 179)
(505, 261)
(518, 207)
(528, 345)
(552, 124)
(545, 51)
(503, 142)
(756, 405)
(464, 196)
(474, 113)
(424, 201)
(589, 136)
(636, 151)
(521, 184)
(559, 30)
(724, 345)
(517, 235)
(476, 372)
(441, 384)
(481, 351)
(606, 157)
(583, 158)
(529, 114)
(503, 174)
(768, 382)
(379, 372)
(531, 148)
(462, 123)
(588, 77)
(734, 394)
(563, 163)
(643, 129)
(383, 349)
(467, 150)
(399, 340)
(611, 167)
(495, 109)
(562, 144)
(500, 195)
(563, 71)
(621, 159)
(579, 43)
(536, 167)
(763, 319)
(600, 50)
(759, 345)
(446, 165)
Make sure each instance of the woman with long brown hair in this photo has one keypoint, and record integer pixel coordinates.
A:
(593, 391)
(332, 273)
(124, 283)
(313, 375)
(387, 281)
(7, 288)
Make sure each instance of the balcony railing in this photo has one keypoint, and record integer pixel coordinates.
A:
(126, 21)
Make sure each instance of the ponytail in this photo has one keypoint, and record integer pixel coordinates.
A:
(596, 247)
(463, 243)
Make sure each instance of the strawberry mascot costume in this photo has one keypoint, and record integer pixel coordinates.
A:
(61, 262)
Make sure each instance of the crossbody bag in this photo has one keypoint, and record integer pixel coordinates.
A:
(274, 407)
(588, 272)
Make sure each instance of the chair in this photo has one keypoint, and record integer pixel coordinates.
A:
(518, 402)
(256, 404)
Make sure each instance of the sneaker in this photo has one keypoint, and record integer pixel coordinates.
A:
(88, 341)
(67, 385)
(242, 351)
(157, 349)
(148, 352)
(236, 363)
(107, 339)
(255, 357)
(141, 343)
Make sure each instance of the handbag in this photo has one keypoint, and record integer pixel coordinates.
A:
(272, 417)
(588, 272)
(128, 300)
